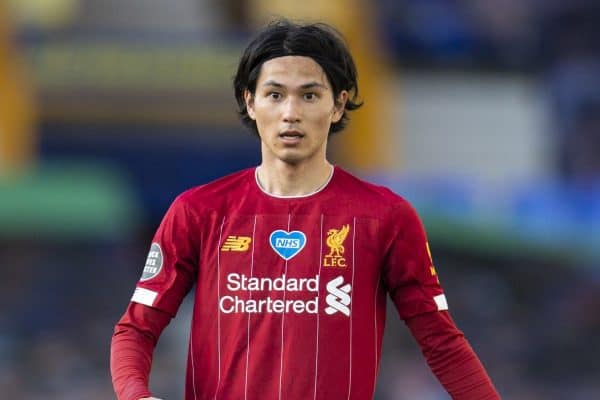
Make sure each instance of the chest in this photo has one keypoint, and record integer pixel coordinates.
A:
(296, 256)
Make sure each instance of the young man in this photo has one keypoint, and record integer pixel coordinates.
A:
(293, 259)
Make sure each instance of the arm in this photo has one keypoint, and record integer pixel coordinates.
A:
(133, 341)
(169, 274)
(415, 289)
(451, 358)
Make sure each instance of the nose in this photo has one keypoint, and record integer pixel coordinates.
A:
(291, 110)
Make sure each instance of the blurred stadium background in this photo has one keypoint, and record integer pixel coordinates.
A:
(485, 114)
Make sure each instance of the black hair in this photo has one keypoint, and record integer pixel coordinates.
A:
(319, 41)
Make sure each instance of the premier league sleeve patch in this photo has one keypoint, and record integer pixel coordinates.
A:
(154, 262)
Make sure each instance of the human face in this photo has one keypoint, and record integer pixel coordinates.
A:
(293, 107)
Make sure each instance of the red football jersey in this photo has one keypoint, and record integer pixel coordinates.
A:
(290, 291)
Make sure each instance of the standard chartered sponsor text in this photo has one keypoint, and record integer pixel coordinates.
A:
(258, 303)
(235, 304)
(237, 282)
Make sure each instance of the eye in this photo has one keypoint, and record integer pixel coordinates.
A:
(274, 95)
(310, 96)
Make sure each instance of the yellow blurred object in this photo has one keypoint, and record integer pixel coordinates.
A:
(45, 14)
(367, 143)
(17, 139)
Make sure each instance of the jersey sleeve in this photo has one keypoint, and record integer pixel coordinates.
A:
(409, 273)
(171, 266)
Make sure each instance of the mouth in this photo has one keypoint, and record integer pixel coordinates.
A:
(291, 136)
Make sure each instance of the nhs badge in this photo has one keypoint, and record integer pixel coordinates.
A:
(287, 244)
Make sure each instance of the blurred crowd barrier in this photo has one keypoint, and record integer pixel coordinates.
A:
(483, 114)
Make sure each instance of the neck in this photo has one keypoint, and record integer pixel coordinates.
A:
(287, 180)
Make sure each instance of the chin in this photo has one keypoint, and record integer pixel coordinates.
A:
(293, 157)
(293, 160)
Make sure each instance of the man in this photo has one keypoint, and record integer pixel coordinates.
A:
(292, 260)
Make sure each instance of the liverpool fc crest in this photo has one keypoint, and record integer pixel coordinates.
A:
(335, 242)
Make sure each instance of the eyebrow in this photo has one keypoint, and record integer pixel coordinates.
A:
(305, 86)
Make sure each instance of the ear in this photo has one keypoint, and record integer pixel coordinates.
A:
(249, 99)
(339, 106)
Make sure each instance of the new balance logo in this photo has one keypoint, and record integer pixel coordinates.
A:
(236, 243)
(338, 298)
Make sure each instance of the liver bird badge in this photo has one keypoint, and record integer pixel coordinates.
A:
(335, 241)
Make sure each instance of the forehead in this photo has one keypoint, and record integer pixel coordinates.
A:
(292, 70)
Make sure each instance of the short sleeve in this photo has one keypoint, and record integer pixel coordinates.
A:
(409, 273)
(171, 266)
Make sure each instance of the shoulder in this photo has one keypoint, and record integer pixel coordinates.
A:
(215, 192)
(376, 201)
(370, 193)
(396, 214)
